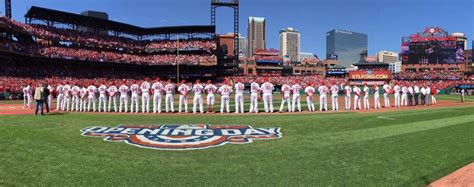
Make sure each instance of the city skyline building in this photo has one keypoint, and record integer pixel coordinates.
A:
(256, 34)
(346, 46)
(290, 44)
(391, 58)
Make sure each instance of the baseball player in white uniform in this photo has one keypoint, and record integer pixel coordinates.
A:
(366, 97)
(50, 96)
(183, 90)
(334, 97)
(67, 98)
(197, 100)
(123, 89)
(396, 95)
(286, 97)
(376, 97)
(145, 90)
(254, 94)
(225, 91)
(404, 101)
(386, 91)
(357, 93)
(267, 89)
(309, 90)
(26, 96)
(239, 96)
(91, 90)
(112, 97)
(347, 97)
(102, 97)
(296, 103)
(210, 99)
(83, 101)
(135, 89)
(75, 91)
(169, 100)
(157, 88)
(323, 98)
(60, 96)
(30, 95)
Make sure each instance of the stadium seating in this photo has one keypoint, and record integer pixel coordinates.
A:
(75, 45)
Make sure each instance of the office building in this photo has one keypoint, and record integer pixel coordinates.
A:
(391, 58)
(290, 41)
(256, 34)
(345, 46)
(387, 57)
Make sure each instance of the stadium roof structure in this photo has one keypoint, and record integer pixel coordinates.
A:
(56, 16)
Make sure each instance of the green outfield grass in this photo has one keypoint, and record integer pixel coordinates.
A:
(343, 149)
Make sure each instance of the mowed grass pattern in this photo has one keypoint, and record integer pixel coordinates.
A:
(343, 149)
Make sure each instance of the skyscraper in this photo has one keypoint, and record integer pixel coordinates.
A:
(349, 47)
(290, 44)
(256, 34)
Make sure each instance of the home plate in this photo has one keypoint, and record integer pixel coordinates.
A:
(461, 177)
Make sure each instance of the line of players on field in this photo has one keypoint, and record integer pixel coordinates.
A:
(84, 99)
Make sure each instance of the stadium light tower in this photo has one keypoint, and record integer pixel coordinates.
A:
(8, 8)
(234, 4)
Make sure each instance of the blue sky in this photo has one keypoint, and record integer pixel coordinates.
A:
(385, 21)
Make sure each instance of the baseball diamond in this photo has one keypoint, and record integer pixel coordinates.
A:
(309, 93)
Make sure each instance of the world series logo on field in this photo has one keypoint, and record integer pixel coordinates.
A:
(181, 136)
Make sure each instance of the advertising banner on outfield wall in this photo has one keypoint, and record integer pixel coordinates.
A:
(370, 75)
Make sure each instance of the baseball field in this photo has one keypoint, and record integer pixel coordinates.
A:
(390, 148)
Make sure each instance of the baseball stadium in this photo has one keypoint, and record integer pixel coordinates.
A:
(88, 101)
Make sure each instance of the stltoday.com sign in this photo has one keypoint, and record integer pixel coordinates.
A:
(182, 136)
(370, 75)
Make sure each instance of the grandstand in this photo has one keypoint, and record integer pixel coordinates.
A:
(52, 36)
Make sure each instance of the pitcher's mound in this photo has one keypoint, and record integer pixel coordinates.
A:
(461, 177)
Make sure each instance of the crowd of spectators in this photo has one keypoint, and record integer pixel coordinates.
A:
(116, 57)
(109, 41)
(268, 58)
(104, 48)
(14, 47)
(192, 44)
(429, 75)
